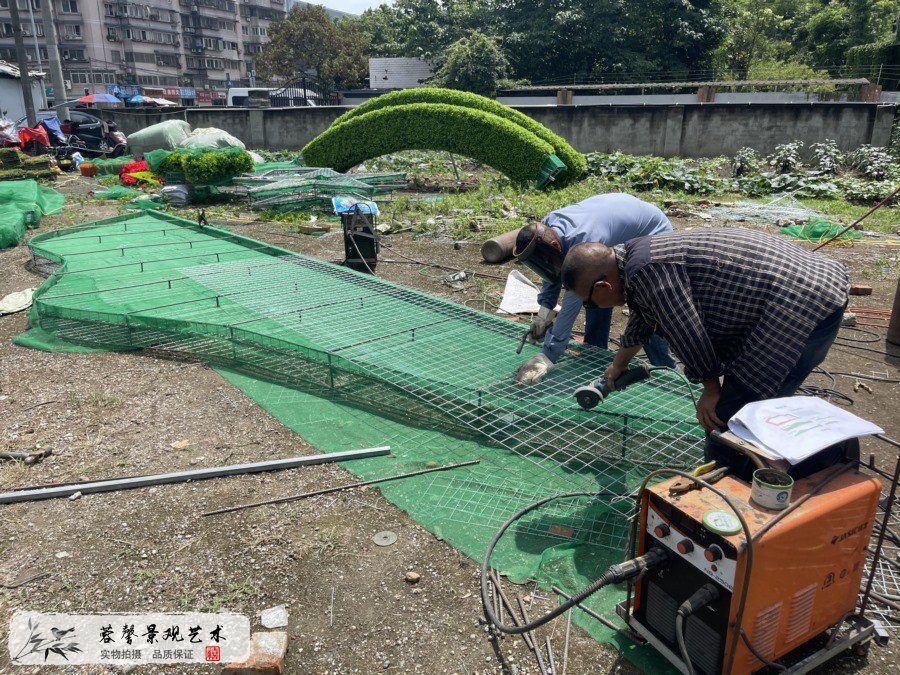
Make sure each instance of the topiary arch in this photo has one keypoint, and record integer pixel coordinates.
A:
(485, 137)
(574, 160)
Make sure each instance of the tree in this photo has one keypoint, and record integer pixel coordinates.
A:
(307, 41)
(789, 70)
(380, 28)
(474, 63)
(757, 33)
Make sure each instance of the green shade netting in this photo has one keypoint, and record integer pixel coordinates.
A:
(22, 205)
(118, 192)
(818, 229)
(265, 166)
(111, 166)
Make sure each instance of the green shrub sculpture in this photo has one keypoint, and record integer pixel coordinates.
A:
(574, 160)
(485, 137)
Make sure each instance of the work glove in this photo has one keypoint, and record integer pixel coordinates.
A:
(541, 322)
(534, 370)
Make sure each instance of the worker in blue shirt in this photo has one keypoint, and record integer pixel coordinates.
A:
(608, 219)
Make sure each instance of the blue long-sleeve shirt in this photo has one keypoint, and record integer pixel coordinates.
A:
(609, 219)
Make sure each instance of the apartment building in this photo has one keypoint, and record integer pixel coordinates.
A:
(189, 51)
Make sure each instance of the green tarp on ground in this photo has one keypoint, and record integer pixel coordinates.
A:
(22, 205)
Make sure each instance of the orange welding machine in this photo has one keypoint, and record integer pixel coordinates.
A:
(729, 604)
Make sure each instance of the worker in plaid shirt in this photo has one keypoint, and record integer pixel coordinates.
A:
(749, 314)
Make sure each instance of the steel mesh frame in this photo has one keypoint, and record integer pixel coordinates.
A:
(156, 282)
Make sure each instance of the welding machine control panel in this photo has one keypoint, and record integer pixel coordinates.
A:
(711, 560)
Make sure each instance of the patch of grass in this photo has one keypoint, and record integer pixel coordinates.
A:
(102, 399)
(237, 594)
(886, 219)
(327, 542)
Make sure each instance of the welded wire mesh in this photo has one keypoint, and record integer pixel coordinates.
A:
(153, 281)
(781, 208)
(886, 579)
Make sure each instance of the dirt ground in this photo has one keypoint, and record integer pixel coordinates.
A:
(108, 415)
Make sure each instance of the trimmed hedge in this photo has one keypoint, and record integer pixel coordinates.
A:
(202, 166)
(473, 133)
(573, 159)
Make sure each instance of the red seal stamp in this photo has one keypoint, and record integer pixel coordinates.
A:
(213, 653)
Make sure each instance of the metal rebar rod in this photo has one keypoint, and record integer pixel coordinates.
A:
(591, 613)
(537, 650)
(67, 490)
(888, 508)
(550, 655)
(860, 219)
(509, 609)
(325, 491)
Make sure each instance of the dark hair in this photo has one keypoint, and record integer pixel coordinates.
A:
(581, 259)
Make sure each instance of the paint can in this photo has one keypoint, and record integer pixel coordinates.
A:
(771, 489)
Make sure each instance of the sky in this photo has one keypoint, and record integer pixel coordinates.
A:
(352, 6)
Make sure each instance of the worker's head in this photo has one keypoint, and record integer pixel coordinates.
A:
(591, 273)
(539, 248)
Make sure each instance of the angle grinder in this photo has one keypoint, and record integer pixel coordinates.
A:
(591, 395)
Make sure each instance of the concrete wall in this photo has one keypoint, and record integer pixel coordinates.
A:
(695, 130)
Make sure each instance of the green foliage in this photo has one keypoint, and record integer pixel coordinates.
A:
(474, 63)
(865, 192)
(646, 174)
(490, 139)
(789, 70)
(571, 157)
(873, 163)
(829, 157)
(864, 60)
(281, 156)
(746, 161)
(308, 40)
(786, 157)
(205, 166)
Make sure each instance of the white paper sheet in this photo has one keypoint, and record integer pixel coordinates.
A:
(797, 427)
(520, 295)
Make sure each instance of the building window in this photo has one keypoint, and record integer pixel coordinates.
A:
(68, 6)
(73, 32)
(115, 56)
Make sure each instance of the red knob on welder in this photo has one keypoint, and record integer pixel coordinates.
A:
(685, 546)
(713, 553)
(661, 531)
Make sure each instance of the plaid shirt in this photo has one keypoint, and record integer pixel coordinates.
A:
(735, 302)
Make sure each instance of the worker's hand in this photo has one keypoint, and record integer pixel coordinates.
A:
(540, 324)
(611, 373)
(706, 410)
(534, 370)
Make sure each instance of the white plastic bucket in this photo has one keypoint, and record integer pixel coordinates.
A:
(771, 488)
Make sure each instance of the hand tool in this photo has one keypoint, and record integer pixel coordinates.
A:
(591, 395)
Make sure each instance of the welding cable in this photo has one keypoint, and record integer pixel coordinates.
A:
(704, 595)
(872, 335)
(615, 574)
